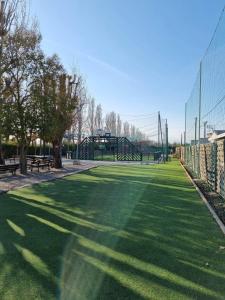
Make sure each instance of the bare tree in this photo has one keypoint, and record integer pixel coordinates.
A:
(10, 10)
(13, 15)
(126, 129)
(80, 112)
(118, 126)
(110, 122)
(98, 117)
(132, 132)
(91, 116)
(140, 136)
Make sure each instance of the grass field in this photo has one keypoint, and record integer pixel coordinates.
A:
(117, 232)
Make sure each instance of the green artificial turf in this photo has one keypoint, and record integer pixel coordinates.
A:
(105, 157)
(115, 232)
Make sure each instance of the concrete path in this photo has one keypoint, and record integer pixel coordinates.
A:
(9, 182)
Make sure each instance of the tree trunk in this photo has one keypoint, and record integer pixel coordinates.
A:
(40, 149)
(57, 157)
(44, 147)
(2, 161)
(23, 159)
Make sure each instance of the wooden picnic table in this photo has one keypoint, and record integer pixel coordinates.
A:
(39, 161)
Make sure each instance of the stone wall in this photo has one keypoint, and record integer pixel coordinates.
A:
(207, 163)
(220, 168)
(180, 153)
(203, 162)
(211, 166)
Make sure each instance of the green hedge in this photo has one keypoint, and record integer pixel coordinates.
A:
(11, 149)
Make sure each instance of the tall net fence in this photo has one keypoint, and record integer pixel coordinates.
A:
(155, 129)
(164, 136)
(205, 109)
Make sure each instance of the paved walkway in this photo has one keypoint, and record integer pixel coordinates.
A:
(9, 182)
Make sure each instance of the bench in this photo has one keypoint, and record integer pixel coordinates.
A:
(34, 163)
(13, 159)
(9, 168)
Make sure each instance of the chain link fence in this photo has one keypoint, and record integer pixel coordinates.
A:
(205, 113)
(204, 147)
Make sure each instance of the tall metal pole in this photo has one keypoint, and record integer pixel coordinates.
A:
(185, 135)
(158, 130)
(167, 143)
(199, 116)
(195, 145)
(196, 121)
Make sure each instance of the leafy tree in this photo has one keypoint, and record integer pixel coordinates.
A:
(8, 15)
(58, 97)
(19, 109)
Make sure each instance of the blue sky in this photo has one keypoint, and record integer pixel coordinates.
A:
(138, 57)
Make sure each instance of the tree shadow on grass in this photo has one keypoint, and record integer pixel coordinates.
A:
(101, 235)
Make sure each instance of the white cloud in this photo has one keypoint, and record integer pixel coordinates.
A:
(109, 67)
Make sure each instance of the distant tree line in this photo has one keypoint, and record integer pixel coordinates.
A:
(90, 120)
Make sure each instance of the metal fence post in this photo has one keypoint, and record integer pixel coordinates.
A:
(199, 116)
